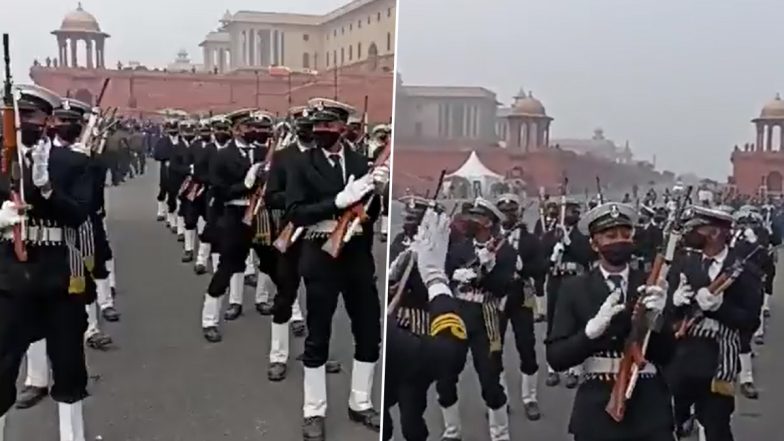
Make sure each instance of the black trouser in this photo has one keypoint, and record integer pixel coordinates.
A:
(405, 384)
(745, 342)
(36, 308)
(211, 232)
(522, 319)
(193, 210)
(288, 278)
(539, 287)
(236, 243)
(488, 365)
(163, 181)
(712, 410)
(141, 162)
(103, 251)
(553, 286)
(664, 435)
(351, 275)
(173, 193)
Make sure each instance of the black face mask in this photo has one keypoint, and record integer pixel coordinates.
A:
(695, 240)
(189, 137)
(326, 140)
(617, 253)
(31, 134)
(352, 136)
(382, 139)
(305, 135)
(205, 137)
(171, 132)
(571, 219)
(69, 132)
(222, 137)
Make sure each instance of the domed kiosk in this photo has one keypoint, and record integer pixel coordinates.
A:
(528, 124)
(80, 25)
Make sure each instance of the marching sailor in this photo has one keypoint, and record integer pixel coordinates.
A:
(195, 197)
(167, 203)
(322, 183)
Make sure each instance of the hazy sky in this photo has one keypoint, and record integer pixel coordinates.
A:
(148, 31)
(679, 79)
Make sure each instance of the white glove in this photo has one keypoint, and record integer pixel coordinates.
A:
(683, 294)
(609, 309)
(192, 169)
(519, 265)
(9, 215)
(430, 246)
(464, 275)
(486, 258)
(380, 176)
(250, 177)
(354, 191)
(748, 233)
(558, 251)
(707, 301)
(654, 297)
(40, 168)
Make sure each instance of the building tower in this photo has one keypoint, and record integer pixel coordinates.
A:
(528, 126)
(80, 25)
(758, 168)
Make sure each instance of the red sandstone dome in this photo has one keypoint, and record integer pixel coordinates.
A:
(528, 105)
(774, 109)
(80, 21)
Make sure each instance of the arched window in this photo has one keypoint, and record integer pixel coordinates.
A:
(774, 182)
(373, 56)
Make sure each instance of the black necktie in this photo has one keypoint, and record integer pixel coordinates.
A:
(335, 159)
(706, 264)
(616, 280)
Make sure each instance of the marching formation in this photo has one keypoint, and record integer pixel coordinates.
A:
(271, 201)
(651, 311)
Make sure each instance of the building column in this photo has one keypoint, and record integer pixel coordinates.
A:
(89, 53)
(74, 60)
(222, 60)
(769, 141)
(781, 138)
(547, 136)
(760, 137)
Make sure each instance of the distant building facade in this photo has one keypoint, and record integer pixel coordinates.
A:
(758, 167)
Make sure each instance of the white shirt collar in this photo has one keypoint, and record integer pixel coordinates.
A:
(719, 258)
(303, 147)
(174, 139)
(341, 153)
(240, 143)
(624, 273)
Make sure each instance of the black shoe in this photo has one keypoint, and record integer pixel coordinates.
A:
(686, 428)
(160, 218)
(449, 438)
(232, 312)
(264, 308)
(114, 292)
(298, 328)
(766, 313)
(110, 314)
(333, 367)
(383, 238)
(180, 238)
(368, 418)
(313, 429)
(759, 340)
(30, 396)
(99, 341)
(200, 269)
(749, 390)
(187, 257)
(276, 372)
(571, 381)
(539, 318)
(251, 280)
(553, 379)
(212, 334)
(532, 411)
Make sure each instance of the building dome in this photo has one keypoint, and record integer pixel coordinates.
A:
(80, 21)
(774, 109)
(528, 105)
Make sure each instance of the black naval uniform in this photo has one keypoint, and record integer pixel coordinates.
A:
(648, 239)
(198, 158)
(179, 169)
(34, 296)
(705, 365)
(214, 206)
(163, 153)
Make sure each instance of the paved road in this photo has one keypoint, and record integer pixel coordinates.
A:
(754, 420)
(164, 382)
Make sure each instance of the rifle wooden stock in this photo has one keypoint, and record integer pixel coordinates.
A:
(257, 199)
(285, 238)
(10, 152)
(355, 213)
(718, 286)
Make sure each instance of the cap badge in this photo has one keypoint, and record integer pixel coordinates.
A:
(66, 105)
(614, 213)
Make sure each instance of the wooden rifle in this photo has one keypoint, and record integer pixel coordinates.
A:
(599, 193)
(557, 258)
(90, 130)
(352, 217)
(542, 203)
(257, 199)
(636, 343)
(12, 156)
(716, 287)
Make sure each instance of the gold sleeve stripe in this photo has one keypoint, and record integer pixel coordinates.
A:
(449, 322)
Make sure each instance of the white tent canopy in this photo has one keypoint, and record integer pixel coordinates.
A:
(475, 172)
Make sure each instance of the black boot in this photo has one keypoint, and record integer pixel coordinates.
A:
(30, 396)
(368, 418)
(553, 379)
(264, 308)
(313, 429)
(532, 411)
(571, 381)
(110, 314)
(99, 341)
(180, 237)
(212, 334)
(251, 280)
(276, 372)
(200, 269)
(187, 256)
(298, 328)
(749, 390)
(232, 312)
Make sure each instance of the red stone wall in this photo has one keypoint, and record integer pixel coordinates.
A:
(750, 168)
(144, 92)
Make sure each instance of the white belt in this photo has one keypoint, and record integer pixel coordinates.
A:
(239, 202)
(38, 234)
(607, 365)
(471, 296)
(325, 226)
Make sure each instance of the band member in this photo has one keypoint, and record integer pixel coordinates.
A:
(548, 218)
(209, 239)
(288, 263)
(379, 137)
(482, 267)
(183, 164)
(322, 183)
(705, 366)
(570, 255)
(195, 197)
(425, 337)
(648, 237)
(34, 293)
(179, 169)
(590, 325)
(162, 153)
(531, 263)
(236, 172)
